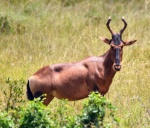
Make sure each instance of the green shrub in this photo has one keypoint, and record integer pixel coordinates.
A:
(14, 93)
(13, 98)
(6, 121)
(63, 116)
(35, 116)
(97, 112)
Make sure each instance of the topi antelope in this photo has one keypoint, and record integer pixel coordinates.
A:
(74, 81)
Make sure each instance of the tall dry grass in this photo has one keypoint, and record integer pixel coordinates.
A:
(51, 31)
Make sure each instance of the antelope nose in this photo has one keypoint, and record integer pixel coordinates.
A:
(117, 67)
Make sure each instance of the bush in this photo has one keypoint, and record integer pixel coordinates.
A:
(94, 113)
(35, 116)
(97, 112)
(64, 116)
(6, 121)
(14, 93)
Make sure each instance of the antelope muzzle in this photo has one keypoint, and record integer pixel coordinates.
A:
(117, 67)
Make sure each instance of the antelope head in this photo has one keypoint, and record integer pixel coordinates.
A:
(117, 44)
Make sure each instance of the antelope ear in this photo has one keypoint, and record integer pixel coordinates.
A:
(129, 42)
(105, 40)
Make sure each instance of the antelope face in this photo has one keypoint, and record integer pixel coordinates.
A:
(116, 44)
(117, 51)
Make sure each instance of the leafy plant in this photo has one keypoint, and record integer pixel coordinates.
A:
(97, 112)
(35, 116)
(6, 121)
(62, 116)
(94, 113)
(14, 93)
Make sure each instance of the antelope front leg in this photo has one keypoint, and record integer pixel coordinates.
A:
(102, 89)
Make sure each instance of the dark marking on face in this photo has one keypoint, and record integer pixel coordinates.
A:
(116, 44)
(116, 39)
(117, 58)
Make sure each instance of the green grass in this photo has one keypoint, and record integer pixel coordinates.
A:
(48, 32)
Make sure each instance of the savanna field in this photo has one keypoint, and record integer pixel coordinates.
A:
(35, 33)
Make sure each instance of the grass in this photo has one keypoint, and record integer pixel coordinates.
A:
(49, 31)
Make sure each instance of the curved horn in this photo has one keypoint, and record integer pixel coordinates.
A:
(125, 25)
(107, 24)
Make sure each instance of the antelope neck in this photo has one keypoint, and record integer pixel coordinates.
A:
(108, 63)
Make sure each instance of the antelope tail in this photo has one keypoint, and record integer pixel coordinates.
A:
(29, 93)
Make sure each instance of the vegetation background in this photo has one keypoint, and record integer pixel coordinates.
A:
(35, 33)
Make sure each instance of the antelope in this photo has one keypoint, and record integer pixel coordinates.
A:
(75, 81)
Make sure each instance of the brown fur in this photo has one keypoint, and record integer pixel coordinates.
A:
(75, 81)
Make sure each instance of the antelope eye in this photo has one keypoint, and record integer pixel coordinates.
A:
(121, 47)
(113, 47)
